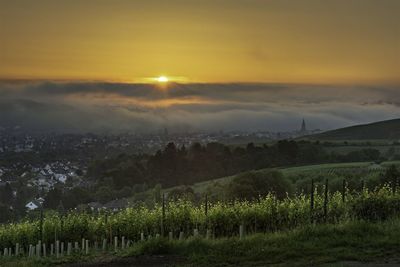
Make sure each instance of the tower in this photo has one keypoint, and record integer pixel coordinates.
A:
(303, 127)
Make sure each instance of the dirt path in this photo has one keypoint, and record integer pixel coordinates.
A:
(171, 260)
(142, 261)
(360, 264)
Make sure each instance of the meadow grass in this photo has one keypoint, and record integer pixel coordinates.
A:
(304, 246)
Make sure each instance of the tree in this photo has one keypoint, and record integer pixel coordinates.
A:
(76, 196)
(157, 193)
(103, 194)
(5, 213)
(182, 192)
(251, 185)
(52, 198)
(391, 176)
(6, 194)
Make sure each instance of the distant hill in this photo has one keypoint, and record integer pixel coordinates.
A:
(389, 129)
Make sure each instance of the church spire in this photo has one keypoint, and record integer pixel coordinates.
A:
(303, 127)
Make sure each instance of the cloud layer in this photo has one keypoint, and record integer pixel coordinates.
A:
(114, 107)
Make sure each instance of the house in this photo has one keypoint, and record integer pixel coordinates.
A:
(33, 205)
(116, 205)
(95, 206)
(61, 177)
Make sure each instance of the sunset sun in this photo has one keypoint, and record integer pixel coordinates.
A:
(162, 79)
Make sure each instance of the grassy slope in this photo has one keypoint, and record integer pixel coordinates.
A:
(320, 168)
(355, 241)
(389, 129)
(306, 246)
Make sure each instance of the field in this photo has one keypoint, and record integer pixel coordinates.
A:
(181, 219)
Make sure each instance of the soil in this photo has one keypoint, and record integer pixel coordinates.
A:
(142, 261)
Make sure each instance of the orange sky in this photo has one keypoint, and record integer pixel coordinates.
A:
(313, 41)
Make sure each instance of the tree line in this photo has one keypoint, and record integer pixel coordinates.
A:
(184, 166)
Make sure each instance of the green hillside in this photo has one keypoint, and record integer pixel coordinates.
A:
(310, 170)
(389, 129)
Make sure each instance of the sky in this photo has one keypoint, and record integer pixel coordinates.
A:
(247, 65)
(207, 41)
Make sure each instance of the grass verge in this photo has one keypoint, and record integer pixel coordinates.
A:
(307, 246)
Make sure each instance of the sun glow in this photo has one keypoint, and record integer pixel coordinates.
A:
(162, 79)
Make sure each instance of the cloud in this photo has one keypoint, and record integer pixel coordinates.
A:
(115, 107)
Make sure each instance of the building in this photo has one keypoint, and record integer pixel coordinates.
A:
(303, 127)
(32, 205)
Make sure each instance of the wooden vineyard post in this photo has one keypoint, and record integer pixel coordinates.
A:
(208, 234)
(344, 191)
(62, 249)
(123, 242)
(69, 248)
(362, 187)
(41, 224)
(57, 249)
(326, 201)
(87, 247)
(163, 215)
(61, 226)
(44, 250)
(111, 239)
(312, 201)
(206, 210)
(83, 244)
(104, 244)
(181, 235)
(241, 231)
(115, 243)
(170, 236)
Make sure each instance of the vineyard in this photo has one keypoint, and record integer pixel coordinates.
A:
(212, 220)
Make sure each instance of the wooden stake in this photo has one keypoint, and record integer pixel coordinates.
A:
(326, 202)
(57, 249)
(87, 247)
(312, 201)
(69, 248)
(44, 250)
(170, 235)
(104, 244)
(241, 231)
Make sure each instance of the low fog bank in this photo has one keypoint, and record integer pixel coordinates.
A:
(141, 108)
